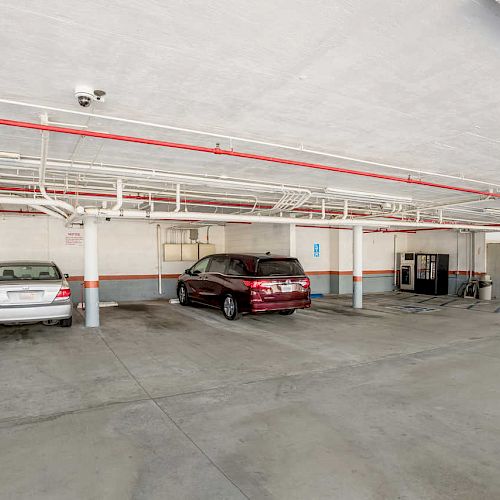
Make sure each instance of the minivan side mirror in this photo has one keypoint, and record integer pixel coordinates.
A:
(66, 275)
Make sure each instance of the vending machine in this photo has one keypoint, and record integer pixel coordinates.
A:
(431, 273)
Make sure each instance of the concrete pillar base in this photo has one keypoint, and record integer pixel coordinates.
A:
(92, 307)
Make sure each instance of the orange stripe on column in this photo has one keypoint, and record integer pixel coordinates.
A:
(357, 278)
(91, 284)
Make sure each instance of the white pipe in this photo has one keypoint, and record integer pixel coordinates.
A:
(357, 267)
(395, 247)
(158, 249)
(222, 217)
(27, 201)
(177, 198)
(29, 182)
(232, 138)
(453, 204)
(119, 195)
(152, 174)
(323, 213)
(47, 211)
(11, 200)
(346, 209)
(43, 165)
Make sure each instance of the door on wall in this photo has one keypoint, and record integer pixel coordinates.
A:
(493, 267)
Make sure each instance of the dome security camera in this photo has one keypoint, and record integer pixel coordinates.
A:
(85, 95)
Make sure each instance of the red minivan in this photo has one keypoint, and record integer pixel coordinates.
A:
(246, 283)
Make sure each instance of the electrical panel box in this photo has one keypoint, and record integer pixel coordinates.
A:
(175, 252)
(190, 251)
(172, 252)
(205, 249)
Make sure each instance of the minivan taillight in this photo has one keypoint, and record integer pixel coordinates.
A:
(64, 293)
(257, 284)
(306, 283)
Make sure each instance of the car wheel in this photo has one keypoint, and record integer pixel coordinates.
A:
(230, 308)
(182, 294)
(287, 312)
(66, 323)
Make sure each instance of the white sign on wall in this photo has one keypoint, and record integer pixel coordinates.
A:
(74, 237)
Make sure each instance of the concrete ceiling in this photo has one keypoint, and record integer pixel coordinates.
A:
(412, 83)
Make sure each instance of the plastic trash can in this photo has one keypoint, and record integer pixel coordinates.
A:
(485, 288)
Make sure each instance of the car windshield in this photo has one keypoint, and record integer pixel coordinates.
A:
(279, 267)
(16, 272)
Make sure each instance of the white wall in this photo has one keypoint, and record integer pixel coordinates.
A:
(129, 247)
(258, 238)
(39, 238)
(306, 238)
(378, 250)
(125, 247)
(493, 237)
(454, 243)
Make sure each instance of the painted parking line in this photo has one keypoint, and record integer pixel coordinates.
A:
(426, 300)
(449, 302)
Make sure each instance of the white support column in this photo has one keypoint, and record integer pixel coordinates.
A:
(357, 267)
(91, 272)
(293, 240)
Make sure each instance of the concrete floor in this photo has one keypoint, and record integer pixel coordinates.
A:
(178, 403)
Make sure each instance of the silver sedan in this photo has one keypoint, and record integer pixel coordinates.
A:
(34, 291)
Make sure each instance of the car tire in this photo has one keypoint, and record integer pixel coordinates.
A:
(66, 323)
(287, 312)
(230, 308)
(182, 295)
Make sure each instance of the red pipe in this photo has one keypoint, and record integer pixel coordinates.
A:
(252, 156)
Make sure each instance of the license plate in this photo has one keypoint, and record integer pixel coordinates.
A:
(28, 296)
(286, 288)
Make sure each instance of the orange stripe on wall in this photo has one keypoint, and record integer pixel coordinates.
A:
(349, 273)
(91, 284)
(118, 277)
(121, 277)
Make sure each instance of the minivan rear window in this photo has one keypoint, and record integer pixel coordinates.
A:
(28, 272)
(279, 267)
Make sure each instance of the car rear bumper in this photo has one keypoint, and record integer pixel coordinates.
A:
(280, 305)
(30, 314)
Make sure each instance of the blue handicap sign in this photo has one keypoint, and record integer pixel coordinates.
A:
(316, 250)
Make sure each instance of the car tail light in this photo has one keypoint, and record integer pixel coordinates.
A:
(64, 293)
(306, 283)
(257, 284)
